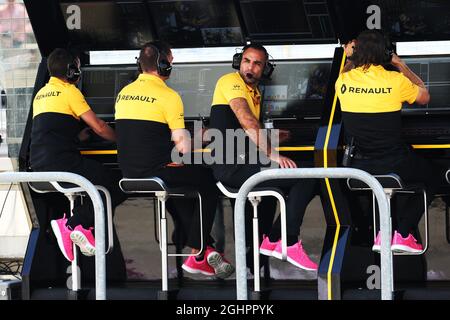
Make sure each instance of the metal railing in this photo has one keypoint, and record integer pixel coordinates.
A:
(99, 224)
(383, 205)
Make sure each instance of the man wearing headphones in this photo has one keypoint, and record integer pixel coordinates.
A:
(58, 108)
(371, 100)
(236, 106)
(150, 126)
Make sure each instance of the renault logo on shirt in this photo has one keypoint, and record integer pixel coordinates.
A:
(48, 94)
(135, 97)
(385, 90)
(236, 87)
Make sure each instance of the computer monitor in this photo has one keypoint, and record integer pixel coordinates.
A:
(196, 23)
(297, 89)
(283, 20)
(435, 72)
(100, 86)
(107, 24)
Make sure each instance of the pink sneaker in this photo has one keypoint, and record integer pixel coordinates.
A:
(408, 244)
(84, 239)
(193, 266)
(267, 247)
(297, 256)
(62, 233)
(222, 268)
(377, 243)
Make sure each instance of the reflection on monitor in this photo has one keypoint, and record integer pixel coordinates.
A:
(196, 23)
(287, 20)
(108, 25)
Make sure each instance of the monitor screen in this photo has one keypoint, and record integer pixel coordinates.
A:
(407, 20)
(196, 23)
(107, 25)
(297, 89)
(196, 83)
(435, 72)
(100, 86)
(281, 20)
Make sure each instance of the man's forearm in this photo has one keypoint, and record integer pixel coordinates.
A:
(407, 72)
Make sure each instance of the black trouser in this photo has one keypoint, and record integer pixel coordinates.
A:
(407, 209)
(186, 210)
(299, 193)
(97, 174)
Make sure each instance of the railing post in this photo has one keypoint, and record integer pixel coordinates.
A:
(383, 205)
(86, 185)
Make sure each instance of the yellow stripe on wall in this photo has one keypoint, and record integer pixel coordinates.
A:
(330, 193)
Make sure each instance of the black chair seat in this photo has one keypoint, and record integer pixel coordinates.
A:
(155, 184)
(389, 181)
(236, 190)
(45, 186)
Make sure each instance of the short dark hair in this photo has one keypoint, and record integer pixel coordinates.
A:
(148, 55)
(258, 47)
(370, 48)
(58, 61)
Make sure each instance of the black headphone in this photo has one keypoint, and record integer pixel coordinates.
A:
(389, 48)
(268, 68)
(73, 71)
(163, 65)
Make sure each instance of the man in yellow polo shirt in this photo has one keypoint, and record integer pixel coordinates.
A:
(150, 124)
(371, 101)
(58, 109)
(236, 108)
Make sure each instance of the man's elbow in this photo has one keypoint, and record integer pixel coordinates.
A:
(423, 97)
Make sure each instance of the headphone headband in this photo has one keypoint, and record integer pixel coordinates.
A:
(268, 68)
(163, 66)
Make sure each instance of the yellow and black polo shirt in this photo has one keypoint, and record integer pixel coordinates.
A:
(371, 102)
(222, 117)
(57, 108)
(146, 112)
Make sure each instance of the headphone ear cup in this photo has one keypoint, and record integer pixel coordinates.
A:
(237, 57)
(138, 64)
(164, 68)
(73, 72)
(268, 70)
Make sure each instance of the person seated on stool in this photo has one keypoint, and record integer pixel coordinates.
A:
(150, 124)
(57, 110)
(371, 101)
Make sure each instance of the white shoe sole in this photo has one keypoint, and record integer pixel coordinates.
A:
(299, 265)
(376, 248)
(196, 271)
(399, 248)
(81, 241)
(266, 252)
(222, 269)
(58, 236)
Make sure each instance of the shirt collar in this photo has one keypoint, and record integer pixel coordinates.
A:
(55, 80)
(147, 76)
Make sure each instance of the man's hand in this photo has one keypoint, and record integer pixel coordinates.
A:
(396, 61)
(283, 161)
(84, 134)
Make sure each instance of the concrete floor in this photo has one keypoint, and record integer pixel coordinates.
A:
(134, 221)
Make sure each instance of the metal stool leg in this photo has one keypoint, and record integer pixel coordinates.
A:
(76, 277)
(163, 242)
(256, 263)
